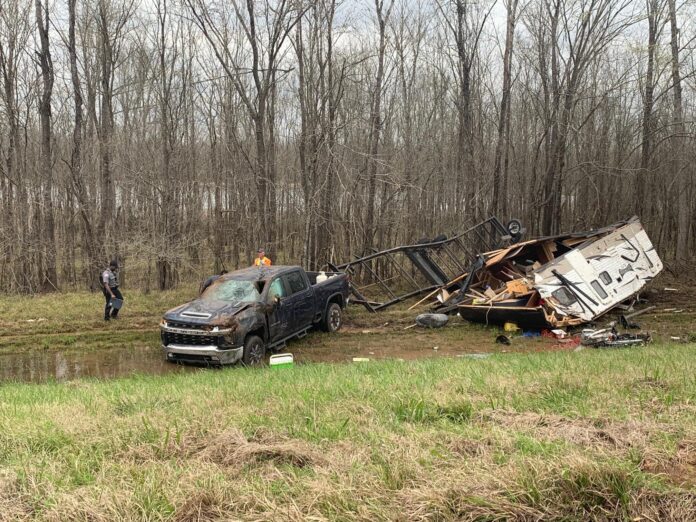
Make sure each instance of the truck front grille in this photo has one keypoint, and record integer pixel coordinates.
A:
(191, 340)
(188, 326)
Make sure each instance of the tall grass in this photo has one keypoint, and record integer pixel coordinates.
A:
(573, 436)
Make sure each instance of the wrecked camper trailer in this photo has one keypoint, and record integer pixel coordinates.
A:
(381, 279)
(559, 281)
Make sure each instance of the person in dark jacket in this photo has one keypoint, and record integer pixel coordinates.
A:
(110, 288)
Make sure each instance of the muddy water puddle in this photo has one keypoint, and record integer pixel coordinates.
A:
(108, 363)
(36, 366)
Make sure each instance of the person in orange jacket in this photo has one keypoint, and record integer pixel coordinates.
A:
(262, 259)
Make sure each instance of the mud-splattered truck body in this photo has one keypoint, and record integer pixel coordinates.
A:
(247, 312)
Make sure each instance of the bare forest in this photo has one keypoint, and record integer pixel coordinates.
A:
(181, 135)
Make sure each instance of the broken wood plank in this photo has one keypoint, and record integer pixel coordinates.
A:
(640, 312)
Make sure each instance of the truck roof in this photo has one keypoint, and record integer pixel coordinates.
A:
(255, 273)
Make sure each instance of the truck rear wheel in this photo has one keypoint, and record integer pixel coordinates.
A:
(254, 351)
(333, 319)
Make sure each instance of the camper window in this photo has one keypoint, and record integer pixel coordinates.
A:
(564, 296)
(599, 289)
(605, 277)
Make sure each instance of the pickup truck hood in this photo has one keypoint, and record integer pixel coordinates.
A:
(219, 313)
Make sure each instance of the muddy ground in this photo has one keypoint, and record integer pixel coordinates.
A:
(74, 344)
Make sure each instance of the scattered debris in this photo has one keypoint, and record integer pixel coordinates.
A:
(610, 338)
(667, 289)
(559, 334)
(383, 278)
(432, 320)
(569, 342)
(555, 282)
(628, 325)
(475, 355)
(436, 348)
(510, 327)
(503, 339)
(488, 275)
(361, 359)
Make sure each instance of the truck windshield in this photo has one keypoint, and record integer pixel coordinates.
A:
(233, 291)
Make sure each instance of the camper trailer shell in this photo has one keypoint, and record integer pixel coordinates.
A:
(558, 281)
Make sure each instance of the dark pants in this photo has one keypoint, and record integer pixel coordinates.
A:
(108, 312)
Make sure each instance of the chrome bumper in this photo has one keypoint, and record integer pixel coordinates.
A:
(211, 354)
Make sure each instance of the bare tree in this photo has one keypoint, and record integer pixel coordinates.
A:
(308, 126)
(265, 28)
(466, 26)
(654, 12)
(502, 147)
(680, 168)
(111, 19)
(167, 54)
(375, 120)
(76, 160)
(410, 32)
(48, 275)
(579, 34)
(14, 34)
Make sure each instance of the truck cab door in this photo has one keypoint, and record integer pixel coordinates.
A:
(302, 299)
(280, 316)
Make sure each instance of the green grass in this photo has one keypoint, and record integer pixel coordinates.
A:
(571, 436)
(529, 434)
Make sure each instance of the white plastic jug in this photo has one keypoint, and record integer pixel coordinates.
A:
(322, 277)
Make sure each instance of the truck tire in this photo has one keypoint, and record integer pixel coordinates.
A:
(333, 319)
(254, 351)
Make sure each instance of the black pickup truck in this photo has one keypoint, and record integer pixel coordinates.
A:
(244, 313)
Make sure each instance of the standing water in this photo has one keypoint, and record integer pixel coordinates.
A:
(108, 363)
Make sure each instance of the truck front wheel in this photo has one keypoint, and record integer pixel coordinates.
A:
(333, 318)
(254, 351)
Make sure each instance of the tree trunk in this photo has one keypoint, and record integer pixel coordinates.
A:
(648, 101)
(76, 173)
(684, 173)
(375, 125)
(499, 203)
(48, 278)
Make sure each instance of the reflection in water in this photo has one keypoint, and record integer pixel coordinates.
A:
(118, 361)
(41, 366)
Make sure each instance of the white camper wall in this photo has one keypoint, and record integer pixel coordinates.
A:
(626, 254)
